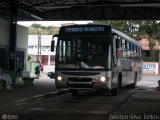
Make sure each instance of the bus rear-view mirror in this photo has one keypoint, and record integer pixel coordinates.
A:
(52, 45)
(53, 42)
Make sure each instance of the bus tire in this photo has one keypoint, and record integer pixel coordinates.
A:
(74, 92)
(114, 92)
(120, 80)
(133, 85)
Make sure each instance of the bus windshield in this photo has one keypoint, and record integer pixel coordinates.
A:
(85, 52)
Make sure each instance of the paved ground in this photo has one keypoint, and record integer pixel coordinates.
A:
(149, 81)
(143, 104)
(144, 101)
(42, 86)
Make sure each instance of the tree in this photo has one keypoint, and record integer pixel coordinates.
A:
(128, 27)
(138, 30)
(45, 30)
(36, 26)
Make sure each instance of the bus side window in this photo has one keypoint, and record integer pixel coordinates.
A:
(114, 57)
(133, 48)
(124, 48)
(136, 49)
(128, 48)
(139, 50)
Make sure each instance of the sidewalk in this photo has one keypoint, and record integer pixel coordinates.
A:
(43, 87)
(142, 102)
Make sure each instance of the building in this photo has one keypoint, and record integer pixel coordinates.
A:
(147, 53)
(21, 48)
(46, 56)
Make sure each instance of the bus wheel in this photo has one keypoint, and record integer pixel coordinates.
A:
(114, 92)
(120, 81)
(74, 92)
(133, 85)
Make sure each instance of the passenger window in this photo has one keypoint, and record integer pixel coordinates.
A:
(128, 48)
(136, 50)
(114, 57)
(124, 48)
(123, 44)
(132, 47)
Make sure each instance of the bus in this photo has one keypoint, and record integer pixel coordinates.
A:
(93, 57)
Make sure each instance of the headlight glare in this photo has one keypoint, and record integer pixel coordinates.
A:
(59, 78)
(102, 79)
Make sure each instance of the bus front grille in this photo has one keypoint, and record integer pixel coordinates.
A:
(80, 85)
(77, 82)
(75, 79)
(81, 73)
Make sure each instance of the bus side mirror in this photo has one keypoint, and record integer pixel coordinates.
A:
(53, 42)
(52, 45)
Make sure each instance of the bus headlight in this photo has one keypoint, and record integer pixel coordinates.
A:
(102, 79)
(59, 78)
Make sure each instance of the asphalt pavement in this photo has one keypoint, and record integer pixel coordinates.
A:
(144, 101)
(43, 87)
(143, 104)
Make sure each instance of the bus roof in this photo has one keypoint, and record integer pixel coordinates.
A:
(126, 37)
(94, 29)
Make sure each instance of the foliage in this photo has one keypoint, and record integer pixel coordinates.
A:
(29, 58)
(44, 30)
(128, 27)
(138, 30)
(154, 56)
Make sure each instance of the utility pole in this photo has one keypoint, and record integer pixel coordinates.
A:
(159, 51)
(39, 46)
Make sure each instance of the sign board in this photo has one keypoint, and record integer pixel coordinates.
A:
(85, 30)
(150, 67)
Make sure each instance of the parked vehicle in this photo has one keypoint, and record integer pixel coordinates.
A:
(51, 75)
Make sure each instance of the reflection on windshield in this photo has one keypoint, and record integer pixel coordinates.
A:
(84, 65)
(84, 53)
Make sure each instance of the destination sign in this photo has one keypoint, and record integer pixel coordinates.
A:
(84, 29)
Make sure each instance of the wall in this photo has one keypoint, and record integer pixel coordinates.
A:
(22, 42)
(22, 38)
(4, 33)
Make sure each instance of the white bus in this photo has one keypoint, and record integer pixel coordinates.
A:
(92, 57)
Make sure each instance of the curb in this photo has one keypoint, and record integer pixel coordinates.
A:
(39, 97)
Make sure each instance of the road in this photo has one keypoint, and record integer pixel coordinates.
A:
(86, 106)
(90, 105)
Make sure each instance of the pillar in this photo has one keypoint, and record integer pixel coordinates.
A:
(13, 37)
